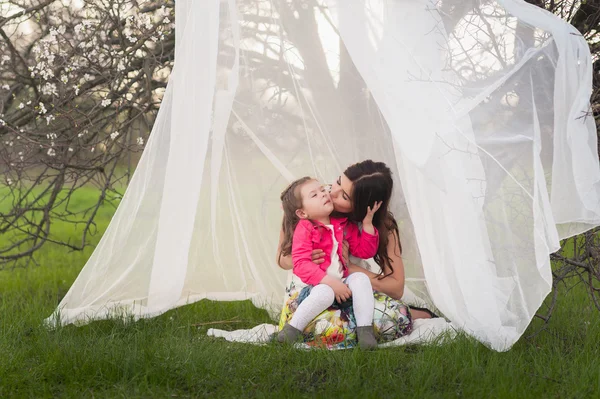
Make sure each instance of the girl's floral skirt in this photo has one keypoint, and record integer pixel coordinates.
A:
(335, 327)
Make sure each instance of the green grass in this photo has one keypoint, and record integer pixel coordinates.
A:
(170, 357)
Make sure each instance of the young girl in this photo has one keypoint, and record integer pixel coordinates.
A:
(307, 226)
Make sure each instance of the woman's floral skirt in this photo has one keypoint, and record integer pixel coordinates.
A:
(335, 327)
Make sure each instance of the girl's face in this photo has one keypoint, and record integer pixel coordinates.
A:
(316, 202)
(341, 191)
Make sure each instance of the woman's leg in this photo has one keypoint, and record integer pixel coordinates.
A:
(419, 314)
(422, 313)
(363, 300)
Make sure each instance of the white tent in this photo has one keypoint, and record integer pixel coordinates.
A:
(480, 108)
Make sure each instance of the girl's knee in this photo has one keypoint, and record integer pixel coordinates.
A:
(325, 290)
(358, 278)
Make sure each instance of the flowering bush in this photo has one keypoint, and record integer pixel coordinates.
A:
(80, 84)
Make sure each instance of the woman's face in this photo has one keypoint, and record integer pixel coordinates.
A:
(341, 194)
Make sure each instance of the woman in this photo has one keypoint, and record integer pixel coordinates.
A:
(361, 185)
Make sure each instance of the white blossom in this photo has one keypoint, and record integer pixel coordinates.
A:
(8, 181)
(114, 135)
(49, 119)
(2, 123)
(6, 87)
(49, 88)
(140, 141)
(51, 152)
(70, 149)
(47, 74)
(64, 79)
(4, 59)
(76, 90)
(21, 106)
(146, 21)
(105, 102)
(43, 109)
(62, 29)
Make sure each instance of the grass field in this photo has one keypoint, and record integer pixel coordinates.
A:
(170, 357)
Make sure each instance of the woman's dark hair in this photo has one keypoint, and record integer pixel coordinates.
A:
(372, 182)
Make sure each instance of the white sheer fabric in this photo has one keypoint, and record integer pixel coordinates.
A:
(481, 109)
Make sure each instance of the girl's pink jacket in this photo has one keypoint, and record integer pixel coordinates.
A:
(310, 235)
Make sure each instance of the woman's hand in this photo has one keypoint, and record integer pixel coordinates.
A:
(317, 256)
(345, 251)
(352, 268)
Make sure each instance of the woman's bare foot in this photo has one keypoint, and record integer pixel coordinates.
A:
(422, 313)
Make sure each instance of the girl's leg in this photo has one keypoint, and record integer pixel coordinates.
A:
(363, 303)
(319, 299)
(363, 300)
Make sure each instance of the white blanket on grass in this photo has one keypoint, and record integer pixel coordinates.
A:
(425, 331)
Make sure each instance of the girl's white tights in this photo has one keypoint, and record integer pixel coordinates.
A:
(363, 301)
(321, 297)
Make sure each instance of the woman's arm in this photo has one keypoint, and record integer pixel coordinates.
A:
(393, 284)
(285, 262)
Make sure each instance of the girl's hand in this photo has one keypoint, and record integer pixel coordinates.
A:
(317, 256)
(368, 220)
(340, 290)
